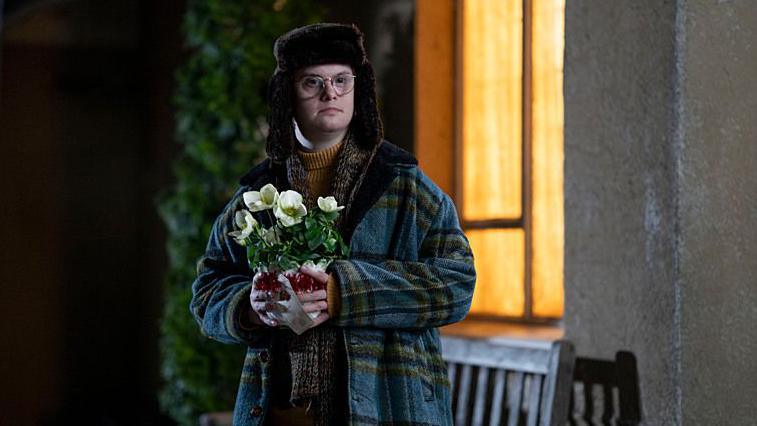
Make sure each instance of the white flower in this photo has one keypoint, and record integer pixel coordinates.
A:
(320, 266)
(270, 236)
(246, 224)
(261, 200)
(290, 210)
(328, 204)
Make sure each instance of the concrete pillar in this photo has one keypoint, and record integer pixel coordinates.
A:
(660, 210)
(718, 211)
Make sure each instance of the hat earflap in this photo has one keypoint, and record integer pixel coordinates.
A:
(366, 124)
(279, 140)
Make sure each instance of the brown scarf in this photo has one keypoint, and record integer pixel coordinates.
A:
(312, 355)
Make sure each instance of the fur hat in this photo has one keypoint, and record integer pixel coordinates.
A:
(318, 44)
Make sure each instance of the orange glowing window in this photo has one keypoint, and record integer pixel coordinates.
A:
(501, 155)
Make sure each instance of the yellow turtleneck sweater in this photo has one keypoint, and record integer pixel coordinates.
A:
(320, 166)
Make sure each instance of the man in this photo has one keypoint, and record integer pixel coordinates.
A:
(374, 355)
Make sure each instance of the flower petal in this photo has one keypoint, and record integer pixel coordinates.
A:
(328, 204)
(269, 195)
(251, 198)
(239, 219)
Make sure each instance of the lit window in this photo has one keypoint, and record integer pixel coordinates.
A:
(503, 164)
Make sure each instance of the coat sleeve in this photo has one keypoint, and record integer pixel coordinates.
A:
(220, 294)
(435, 290)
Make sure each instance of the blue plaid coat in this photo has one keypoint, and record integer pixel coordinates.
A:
(410, 271)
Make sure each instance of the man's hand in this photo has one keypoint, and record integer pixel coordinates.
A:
(317, 300)
(261, 304)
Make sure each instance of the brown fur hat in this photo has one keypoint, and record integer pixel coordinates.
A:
(318, 44)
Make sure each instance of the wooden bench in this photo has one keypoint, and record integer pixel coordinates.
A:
(606, 392)
(508, 381)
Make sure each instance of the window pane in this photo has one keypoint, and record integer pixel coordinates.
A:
(547, 158)
(492, 110)
(499, 255)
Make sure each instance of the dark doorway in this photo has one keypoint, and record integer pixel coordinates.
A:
(86, 133)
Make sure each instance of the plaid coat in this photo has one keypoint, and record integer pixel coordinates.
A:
(410, 271)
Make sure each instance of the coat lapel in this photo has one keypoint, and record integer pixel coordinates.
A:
(379, 175)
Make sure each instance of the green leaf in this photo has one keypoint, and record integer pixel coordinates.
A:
(313, 233)
(345, 250)
(330, 244)
(315, 241)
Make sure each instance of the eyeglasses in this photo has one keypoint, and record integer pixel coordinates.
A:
(313, 85)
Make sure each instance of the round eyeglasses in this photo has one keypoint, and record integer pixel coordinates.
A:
(313, 85)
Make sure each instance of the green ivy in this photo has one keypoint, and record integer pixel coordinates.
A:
(220, 122)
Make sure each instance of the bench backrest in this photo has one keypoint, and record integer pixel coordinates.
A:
(509, 382)
(606, 392)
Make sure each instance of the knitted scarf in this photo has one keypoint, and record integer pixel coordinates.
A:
(312, 355)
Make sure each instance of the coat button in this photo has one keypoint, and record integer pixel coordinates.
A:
(264, 356)
(257, 411)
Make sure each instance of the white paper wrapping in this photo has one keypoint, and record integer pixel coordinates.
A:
(290, 312)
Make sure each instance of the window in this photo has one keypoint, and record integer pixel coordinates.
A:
(489, 123)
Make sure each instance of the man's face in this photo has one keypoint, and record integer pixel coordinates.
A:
(326, 110)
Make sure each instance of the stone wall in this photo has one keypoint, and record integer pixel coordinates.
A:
(660, 210)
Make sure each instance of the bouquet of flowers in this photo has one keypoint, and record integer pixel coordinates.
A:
(297, 237)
